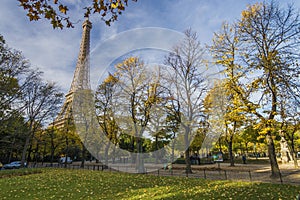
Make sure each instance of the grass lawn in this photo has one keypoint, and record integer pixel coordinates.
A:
(86, 184)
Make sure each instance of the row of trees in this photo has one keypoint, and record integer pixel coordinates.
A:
(28, 107)
(257, 98)
(180, 107)
(27, 103)
(139, 104)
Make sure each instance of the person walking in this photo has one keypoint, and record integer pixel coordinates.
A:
(244, 159)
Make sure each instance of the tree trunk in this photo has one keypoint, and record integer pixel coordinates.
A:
(156, 149)
(294, 157)
(44, 153)
(11, 149)
(231, 158)
(83, 151)
(67, 151)
(106, 153)
(188, 168)
(52, 152)
(29, 151)
(139, 165)
(293, 153)
(114, 154)
(23, 159)
(173, 148)
(36, 154)
(132, 155)
(275, 172)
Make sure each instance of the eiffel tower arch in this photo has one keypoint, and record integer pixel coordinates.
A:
(81, 78)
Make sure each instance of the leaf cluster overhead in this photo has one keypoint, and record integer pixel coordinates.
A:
(58, 11)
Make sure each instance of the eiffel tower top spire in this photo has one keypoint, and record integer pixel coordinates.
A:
(81, 79)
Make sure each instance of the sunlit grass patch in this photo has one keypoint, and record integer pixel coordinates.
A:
(85, 184)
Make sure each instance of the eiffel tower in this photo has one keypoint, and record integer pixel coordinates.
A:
(81, 79)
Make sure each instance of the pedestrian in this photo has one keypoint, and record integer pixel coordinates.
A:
(244, 159)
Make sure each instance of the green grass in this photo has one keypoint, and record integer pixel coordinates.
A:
(19, 172)
(85, 184)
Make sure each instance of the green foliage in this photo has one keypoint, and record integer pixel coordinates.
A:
(26, 103)
(12, 66)
(12, 137)
(79, 184)
(198, 140)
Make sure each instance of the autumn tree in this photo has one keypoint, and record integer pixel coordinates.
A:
(140, 93)
(197, 142)
(268, 37)
(53, 139)
(26, 101)
(230, 112)
(105, 112)
(14, 76)
(226, 45)
(162, 127)
(12, 123)
(172, 124)
(40, 100)
(271, 35)
(186, 74)
(57, 11)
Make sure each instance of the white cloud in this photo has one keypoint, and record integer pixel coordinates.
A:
(120, 44)
(52, 51)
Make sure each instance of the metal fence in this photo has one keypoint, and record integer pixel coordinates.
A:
(201, 173)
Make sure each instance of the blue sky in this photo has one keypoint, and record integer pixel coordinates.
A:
(55, 51)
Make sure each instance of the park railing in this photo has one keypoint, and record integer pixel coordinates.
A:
(201, 173)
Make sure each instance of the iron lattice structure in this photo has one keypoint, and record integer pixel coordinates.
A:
(81, 79)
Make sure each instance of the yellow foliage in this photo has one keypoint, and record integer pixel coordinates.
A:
(266, 130)
(111, 79)
(128, 64)
(63, 9)
(251, 11)
(114, 5)
(255, 83)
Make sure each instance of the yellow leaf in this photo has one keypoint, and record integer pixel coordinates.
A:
(114, 5)
(63, 9)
